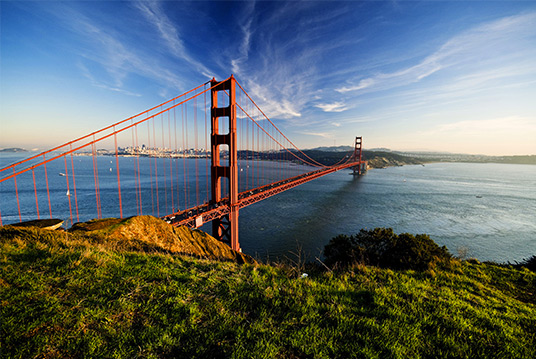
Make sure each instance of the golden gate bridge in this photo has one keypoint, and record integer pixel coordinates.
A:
(197, 158)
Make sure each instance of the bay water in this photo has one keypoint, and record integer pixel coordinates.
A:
(485, 211)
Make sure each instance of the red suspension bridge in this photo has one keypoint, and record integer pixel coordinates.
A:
(197, 158)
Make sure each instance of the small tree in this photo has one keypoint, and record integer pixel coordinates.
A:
(414, 252)
(342, 251)
(382, 247)
(529, 263)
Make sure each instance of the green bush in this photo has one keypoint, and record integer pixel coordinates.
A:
(529, 263)
(383, 248)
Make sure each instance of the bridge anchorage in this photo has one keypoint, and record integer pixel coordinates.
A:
(155, 163)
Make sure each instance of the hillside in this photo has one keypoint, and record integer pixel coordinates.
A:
(12, 149)
(376, 159)
(80, 294)
(381, 159)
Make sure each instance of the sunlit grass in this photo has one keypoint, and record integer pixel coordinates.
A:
(63, 297)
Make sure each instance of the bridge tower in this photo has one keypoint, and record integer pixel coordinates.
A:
(361, 167)
(225, 228)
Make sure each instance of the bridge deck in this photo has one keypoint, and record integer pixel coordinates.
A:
(197, 216)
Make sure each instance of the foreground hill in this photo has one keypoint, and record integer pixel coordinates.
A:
(150, 234)
(87, 294)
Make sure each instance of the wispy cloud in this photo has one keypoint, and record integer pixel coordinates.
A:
(317, 134)
(465, 90)
(102, 45)
(478, 44)
(282, 71)
(153, 12)
(98, 83)
(246, 32)
(332, 107)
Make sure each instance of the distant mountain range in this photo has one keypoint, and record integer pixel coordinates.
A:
(380, 157)
(332, 149)
(346, 149)
(13, 149)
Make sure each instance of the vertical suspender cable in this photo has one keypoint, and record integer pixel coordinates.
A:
(171, 153)
(74, 184)
(246, 139)
(176, 159)
(96, 178)
(138, 176)
(48, 191)
(206, 148)
(187, 164)
(17, 195)
(185, 183)
(197, 203)
(164, 163)
(118, 177)
(151, 150)
(137, 172)
(156, 171)
(35, 193)
(252, 155)
(68, 192)
(136, 183)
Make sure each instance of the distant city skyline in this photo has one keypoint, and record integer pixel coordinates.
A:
(448, 76)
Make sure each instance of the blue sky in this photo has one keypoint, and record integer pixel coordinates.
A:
(457, 76)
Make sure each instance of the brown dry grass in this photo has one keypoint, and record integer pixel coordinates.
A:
(142, 233)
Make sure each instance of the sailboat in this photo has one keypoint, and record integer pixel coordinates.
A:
(68, 193)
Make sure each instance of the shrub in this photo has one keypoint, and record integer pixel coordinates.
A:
(529, 263)
(382, 247)
(342, 251)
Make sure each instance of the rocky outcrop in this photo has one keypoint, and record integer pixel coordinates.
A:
(51, 224)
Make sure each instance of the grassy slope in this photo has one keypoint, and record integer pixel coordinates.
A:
(63, 296)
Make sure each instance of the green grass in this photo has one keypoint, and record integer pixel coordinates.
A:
(62, 296)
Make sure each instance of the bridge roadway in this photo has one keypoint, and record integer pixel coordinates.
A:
(197, 216)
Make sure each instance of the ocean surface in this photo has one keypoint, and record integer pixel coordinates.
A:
(485, 211)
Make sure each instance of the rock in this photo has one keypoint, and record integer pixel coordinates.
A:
(50, 224)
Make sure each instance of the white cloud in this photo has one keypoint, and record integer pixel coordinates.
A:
(317, 134)
(363, 84)
(101, 84)
(281, 74)
(104, 47)
(154, 14)
(490, 42)
(246, 29)
(332, 107)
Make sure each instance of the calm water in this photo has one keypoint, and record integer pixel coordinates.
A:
(486, 210)
(437, 199)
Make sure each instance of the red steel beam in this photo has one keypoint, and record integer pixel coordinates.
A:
(197, 216)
